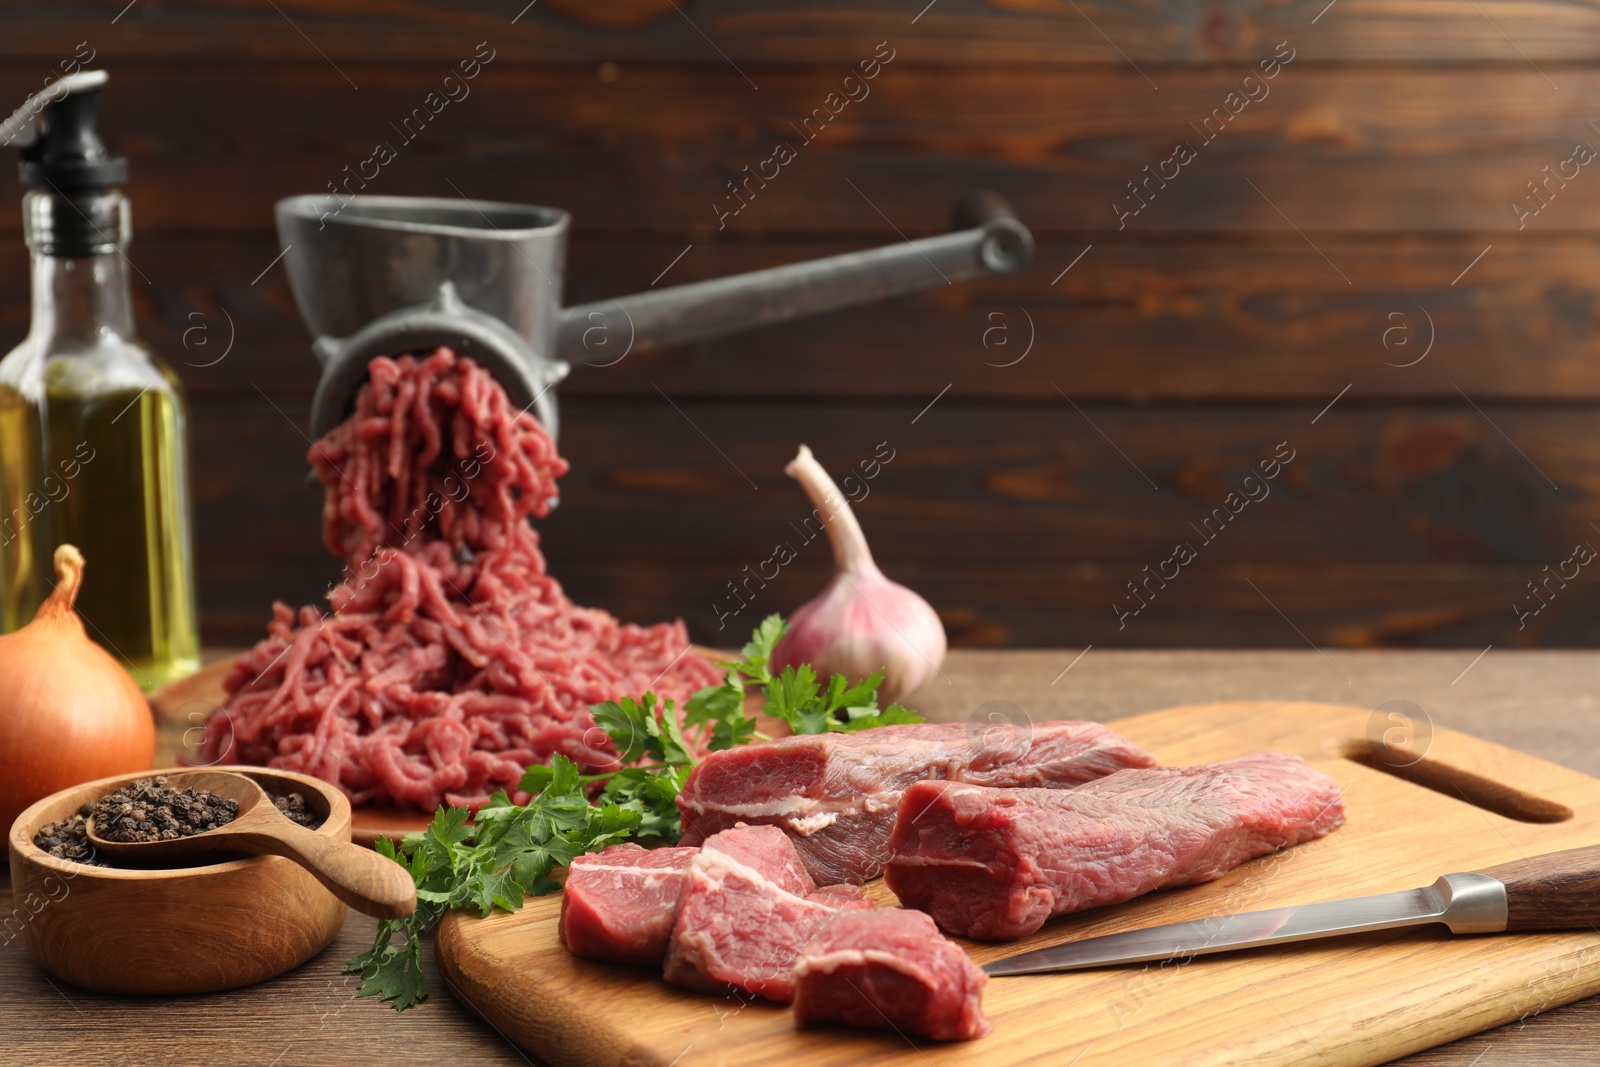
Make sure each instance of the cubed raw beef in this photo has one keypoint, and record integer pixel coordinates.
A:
(996, 863)
(620, 904)
(836, 794)
(842, 895)
(775, 857)
(889, 968)
(744, 916)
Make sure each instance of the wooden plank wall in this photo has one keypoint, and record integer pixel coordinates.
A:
(1339, 267)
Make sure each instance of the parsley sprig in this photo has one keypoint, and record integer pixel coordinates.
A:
(794, 696)
(509, 852)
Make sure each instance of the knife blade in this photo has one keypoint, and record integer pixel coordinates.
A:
(1557, 891)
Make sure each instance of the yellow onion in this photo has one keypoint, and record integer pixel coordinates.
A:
(69, 712)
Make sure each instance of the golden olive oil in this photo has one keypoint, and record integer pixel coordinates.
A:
(103, 470)
(92, 424)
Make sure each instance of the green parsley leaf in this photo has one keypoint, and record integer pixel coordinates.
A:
(640, 729)
(797, 699)
(757, 651)
(392, 972)
(498, 887)
(793, 697)
(722, 707)
(893, 715)
(535, 780)
(652, 795)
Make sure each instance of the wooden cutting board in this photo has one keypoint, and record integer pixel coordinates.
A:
(1351, 1001)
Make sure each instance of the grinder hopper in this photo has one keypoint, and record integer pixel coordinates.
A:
(382, 275)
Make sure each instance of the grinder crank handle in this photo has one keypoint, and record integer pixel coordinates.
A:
(988, 239)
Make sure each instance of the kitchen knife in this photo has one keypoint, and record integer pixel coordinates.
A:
(1556, 891)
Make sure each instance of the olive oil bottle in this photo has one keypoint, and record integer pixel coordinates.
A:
(92, 425)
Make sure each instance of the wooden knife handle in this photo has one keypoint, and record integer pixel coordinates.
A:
(1556, 891)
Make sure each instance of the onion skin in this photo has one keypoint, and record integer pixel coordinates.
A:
(861, 622)
(69, 712)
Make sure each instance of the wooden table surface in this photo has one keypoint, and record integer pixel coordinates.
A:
(1540, 702)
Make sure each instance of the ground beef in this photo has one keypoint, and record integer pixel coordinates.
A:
(450, 659)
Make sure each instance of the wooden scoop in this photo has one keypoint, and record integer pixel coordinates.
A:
(358, 876)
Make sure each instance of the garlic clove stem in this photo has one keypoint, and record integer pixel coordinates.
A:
(850, 551)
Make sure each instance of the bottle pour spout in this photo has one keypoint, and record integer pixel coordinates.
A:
(74, 209)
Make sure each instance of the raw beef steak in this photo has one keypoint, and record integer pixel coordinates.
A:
(836, 794)
(620, 904)
(996, 863)
(889, 968)
(744, 916)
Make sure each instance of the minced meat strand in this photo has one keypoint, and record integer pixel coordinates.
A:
(450, 660)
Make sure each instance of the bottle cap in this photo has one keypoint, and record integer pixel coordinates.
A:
(65, 152)
(75, 210)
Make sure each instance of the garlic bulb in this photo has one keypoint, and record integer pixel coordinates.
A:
(862, 622)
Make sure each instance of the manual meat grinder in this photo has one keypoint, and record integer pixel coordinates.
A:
(391, 274)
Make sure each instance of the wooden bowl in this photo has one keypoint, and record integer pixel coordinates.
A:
(191, 930)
